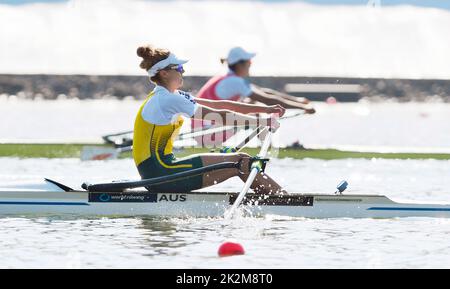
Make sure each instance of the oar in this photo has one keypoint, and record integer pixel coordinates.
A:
(105, 153)
(251, 136)
(184, 135)
(298, 113)
(257, 131)
(245, 142)
(95, 153)
(215, 129)
(257, 167)
(190, 134)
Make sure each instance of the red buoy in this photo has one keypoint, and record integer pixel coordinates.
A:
(230, 249)
(331, 100)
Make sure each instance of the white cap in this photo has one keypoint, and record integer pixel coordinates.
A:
(237, 54)
(171, 60)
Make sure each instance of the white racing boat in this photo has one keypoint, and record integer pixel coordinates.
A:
(120, 198)
(57, 199)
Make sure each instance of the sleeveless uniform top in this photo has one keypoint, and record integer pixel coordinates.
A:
(226, 87)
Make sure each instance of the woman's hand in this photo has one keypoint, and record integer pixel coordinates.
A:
(277, 109)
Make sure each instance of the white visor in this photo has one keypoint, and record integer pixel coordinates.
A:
(171, 60)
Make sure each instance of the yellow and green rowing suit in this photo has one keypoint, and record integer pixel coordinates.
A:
(156, 126)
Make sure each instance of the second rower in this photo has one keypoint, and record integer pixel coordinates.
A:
(234, 86)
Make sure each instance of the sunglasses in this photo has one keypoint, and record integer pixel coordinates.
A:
(178, 68)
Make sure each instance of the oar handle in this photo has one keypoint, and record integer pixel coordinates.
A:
(257, 131)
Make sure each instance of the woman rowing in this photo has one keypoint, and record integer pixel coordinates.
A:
(159, 120)
(234, 86)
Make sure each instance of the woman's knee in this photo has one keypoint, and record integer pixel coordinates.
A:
(234, 157)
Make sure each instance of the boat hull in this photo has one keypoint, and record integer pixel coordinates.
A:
(210, 204)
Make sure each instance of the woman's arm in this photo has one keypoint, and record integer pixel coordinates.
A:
(303, 100)
(244, 108)
(271, 99)
(222, 117)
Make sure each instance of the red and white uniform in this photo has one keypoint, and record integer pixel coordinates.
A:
(225, 87)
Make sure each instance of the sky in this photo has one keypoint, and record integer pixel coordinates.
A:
(289, 37)
(443, 4)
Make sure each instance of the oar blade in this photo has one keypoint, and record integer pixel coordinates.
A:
(96, 153)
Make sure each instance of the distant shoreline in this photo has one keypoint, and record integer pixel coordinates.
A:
(31, 86)
(70, 150)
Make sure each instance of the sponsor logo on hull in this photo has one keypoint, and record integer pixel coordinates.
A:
(133, 197)
(128, 197)
(268, 200)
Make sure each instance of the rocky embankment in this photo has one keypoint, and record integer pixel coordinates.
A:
(88, 86)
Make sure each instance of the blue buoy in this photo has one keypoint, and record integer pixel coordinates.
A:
(342, 187)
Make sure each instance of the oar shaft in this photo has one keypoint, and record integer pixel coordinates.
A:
(216, 129)
(201, 132)
(245, 142)
(253, 173)
(195, 133)
(302, 112)
(191, 135)
(243, 192)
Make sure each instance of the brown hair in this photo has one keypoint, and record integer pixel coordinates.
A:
(233, 66)
(151, 56)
